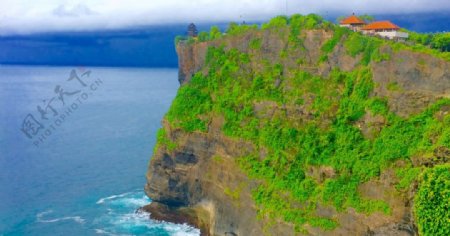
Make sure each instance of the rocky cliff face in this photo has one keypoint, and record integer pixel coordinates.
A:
(194, 176)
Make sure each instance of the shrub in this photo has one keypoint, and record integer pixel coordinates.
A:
(191, 102)
(313, 21)
(331, 43)
(276, 22)
(369, 46)
(393, 86)
(179, 38)
(214, 33)
(162, 139)
(236, 29)
(255, 44)
(431, 203)
(355, 44)
(203, 36)
(441, 42)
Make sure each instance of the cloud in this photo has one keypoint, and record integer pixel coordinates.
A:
(78, 10)
(24, 16)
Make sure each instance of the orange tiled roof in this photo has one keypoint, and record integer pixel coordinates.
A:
(352, 20)
(380, 25)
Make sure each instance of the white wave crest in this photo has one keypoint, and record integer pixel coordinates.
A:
(101, 231)
(180, 229)
(40, 218)
(131, 199)
(103, 200)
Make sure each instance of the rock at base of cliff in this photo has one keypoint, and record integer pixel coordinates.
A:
(162, 212)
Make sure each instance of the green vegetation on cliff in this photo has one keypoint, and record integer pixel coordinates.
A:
(439, 41)
(432, 201)
(307, 126)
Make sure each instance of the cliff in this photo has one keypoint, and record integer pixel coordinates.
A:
(304, 128)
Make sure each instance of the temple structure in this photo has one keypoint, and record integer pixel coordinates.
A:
(192, 30)
(384, 29)
(352, 22)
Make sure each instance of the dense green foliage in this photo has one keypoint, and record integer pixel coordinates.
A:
(203, 36)
(325, 137)
(214, 33)
(439, 41)
(277, 22)
(432, 201)
(311, 21)
(298, 22)
(235, 29)
(191, 101)
(367, 46)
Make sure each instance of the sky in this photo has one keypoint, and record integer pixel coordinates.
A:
(36, 16)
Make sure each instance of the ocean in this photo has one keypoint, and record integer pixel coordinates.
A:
(75, 143)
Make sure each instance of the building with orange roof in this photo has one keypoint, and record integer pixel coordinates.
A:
(385, 29)
(352, 22)
(380, 26)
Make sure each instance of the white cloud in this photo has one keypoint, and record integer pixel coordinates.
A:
(79, 10)
(25, 16)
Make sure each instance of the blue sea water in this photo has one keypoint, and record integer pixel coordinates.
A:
(77, 165)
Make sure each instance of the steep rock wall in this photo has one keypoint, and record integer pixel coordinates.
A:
(201, 175)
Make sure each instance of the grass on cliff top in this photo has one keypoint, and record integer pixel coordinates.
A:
(326, 135)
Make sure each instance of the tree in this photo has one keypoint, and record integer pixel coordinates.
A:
(203, 36)
(276, 22)
(214, 33)
(340, 18)
(424, 39)
(367, 18)
(441, 41)
(232, 28)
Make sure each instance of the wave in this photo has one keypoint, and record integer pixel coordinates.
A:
(134, 199)
(121, 218)
(181, 229)
(103, 200)
(101, 231)
(40, 218)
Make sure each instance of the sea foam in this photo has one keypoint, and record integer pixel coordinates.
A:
(121, 218)
(40, 218)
